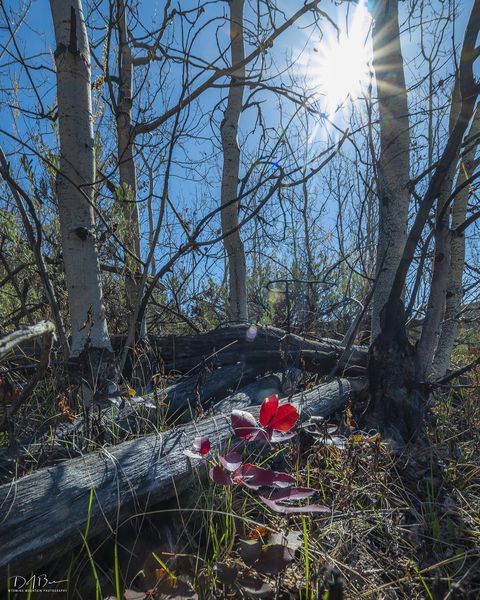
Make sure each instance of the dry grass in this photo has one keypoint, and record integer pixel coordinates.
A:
(404, 526)
(401, 526)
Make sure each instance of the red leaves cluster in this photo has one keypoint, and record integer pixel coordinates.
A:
(201, 447)
(275, 422)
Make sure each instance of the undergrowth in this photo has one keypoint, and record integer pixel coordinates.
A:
(403, 525)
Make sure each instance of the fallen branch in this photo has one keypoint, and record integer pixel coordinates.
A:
(9, 342)
(32, 384)
(44, 329)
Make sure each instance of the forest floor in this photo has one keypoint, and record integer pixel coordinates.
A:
(400, 525)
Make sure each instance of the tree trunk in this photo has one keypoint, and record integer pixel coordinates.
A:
(396, 403)
(394, 164)
(397, 396)
(438, 287)
(237, 270)
(454, 291)
(75, 190)
(127, 169)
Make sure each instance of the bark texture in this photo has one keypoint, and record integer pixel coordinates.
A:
(237, 270)
(440, 274)
(394, 163)
(454, 291)
(76, 178)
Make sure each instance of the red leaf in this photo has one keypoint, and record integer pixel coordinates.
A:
(202, 444)
(285, 419)
(231, 461)
(256, 477)
(277, 436)
(268, 410)
(259, 435)
(219, 476)
(192, 454)
(243, 423)
(249, 550)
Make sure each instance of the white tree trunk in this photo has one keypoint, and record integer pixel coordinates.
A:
(441, 263)
(76, 177)
(394, 164)
(127, 170)
(237, 270)
(454, 292)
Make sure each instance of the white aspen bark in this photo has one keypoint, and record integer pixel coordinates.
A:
(441, 263)
(76, 176)
(454, 292)
(237, 270)
(394, 164)
(127, 169)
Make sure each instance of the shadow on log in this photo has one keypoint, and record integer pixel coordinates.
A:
(44, 514)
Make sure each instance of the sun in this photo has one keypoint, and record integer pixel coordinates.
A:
(340, 66)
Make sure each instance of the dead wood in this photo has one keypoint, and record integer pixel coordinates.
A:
(25, 334)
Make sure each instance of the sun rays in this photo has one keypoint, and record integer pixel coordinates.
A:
(339, 67)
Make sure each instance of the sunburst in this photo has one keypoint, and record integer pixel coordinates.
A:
(341, 63)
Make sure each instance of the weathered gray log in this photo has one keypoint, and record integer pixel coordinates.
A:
(247, 395)
(12, 340)
(177, 403)
(208, 386)
(241, 343)
(135, 417)
(252, 344)
(44, 514)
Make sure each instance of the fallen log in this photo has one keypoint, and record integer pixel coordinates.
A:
(186, 397)
(239, 343)
(25, 334)
(46, 331)
(177, 403)
(45, 514)
(269, 345)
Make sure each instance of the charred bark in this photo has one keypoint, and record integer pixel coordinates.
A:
(396, 406)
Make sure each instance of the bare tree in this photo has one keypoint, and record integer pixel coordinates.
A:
(76, 179)
(393, 167)
(126, 166)
(440, 273)
(456, 264)
(397, 395)
(237, 270)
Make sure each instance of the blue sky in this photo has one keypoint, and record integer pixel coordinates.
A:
(197, 188)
